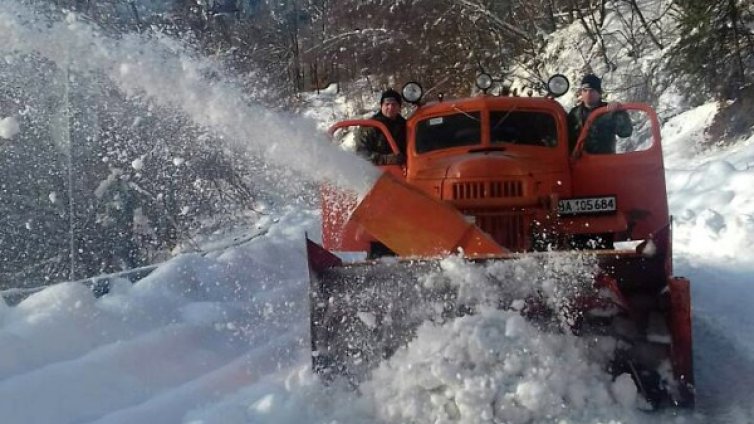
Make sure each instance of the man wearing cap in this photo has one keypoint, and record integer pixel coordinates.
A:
(372, 144)
(601, 139)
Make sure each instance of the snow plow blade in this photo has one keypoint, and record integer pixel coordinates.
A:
(411, 223)
(361, 313)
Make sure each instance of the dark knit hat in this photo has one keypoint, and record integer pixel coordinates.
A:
(592, 81)
(391, 94)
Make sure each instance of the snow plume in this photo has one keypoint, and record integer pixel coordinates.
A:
(164, 71)
(555, 279)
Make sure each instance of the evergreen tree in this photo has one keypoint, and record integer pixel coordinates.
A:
(716, 48)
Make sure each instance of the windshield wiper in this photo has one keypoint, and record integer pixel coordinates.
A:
(472, 117)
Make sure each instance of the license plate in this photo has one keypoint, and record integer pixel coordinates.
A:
(587, 205)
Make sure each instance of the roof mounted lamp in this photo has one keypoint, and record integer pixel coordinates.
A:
(557, 85)
(412, 92)
(484, 82)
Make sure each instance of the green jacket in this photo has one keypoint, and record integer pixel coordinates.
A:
(601, 138)
(372, 144)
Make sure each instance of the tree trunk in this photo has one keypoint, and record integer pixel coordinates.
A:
(733, 15)
(644, 23)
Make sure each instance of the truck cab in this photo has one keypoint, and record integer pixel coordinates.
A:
(504, 162)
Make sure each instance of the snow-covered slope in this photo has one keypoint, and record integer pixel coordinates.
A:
(195, 330)
(223, 337)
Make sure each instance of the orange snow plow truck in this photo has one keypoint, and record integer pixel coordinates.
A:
(491, 179)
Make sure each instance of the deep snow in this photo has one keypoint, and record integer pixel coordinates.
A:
(223, 337)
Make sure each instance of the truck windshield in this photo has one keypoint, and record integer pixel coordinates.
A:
(523, 127)
(443, 132)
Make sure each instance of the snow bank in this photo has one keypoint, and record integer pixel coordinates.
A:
(710, 193)
(684, 135)
(632, 67)
(196, 329)
(327, 107)
(714, 210)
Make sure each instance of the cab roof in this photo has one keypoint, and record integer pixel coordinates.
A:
(487, 102)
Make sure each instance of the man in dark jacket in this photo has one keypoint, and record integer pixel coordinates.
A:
(601, 138)
(372, 144)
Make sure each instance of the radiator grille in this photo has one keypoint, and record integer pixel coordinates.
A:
(471, 190)
(509, 230)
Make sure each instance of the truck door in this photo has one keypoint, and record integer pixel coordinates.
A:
(343, 130)
(338, 234)
(632, 174)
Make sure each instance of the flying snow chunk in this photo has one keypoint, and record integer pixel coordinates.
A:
(178, 161)
(9, 128)
(624, 390)
(265, 404)
(515, 326)
(368, 319)
(518, 305)
(650, 249)
(529, 394)
(53, 197)
(137, 164)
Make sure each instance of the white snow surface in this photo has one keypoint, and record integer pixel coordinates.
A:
(497, 367)
(196, 330)
(223, 337)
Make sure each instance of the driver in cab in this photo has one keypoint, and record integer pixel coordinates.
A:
(603, 132)
(372, 144)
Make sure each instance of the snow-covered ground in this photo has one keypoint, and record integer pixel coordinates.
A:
(223, 337)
